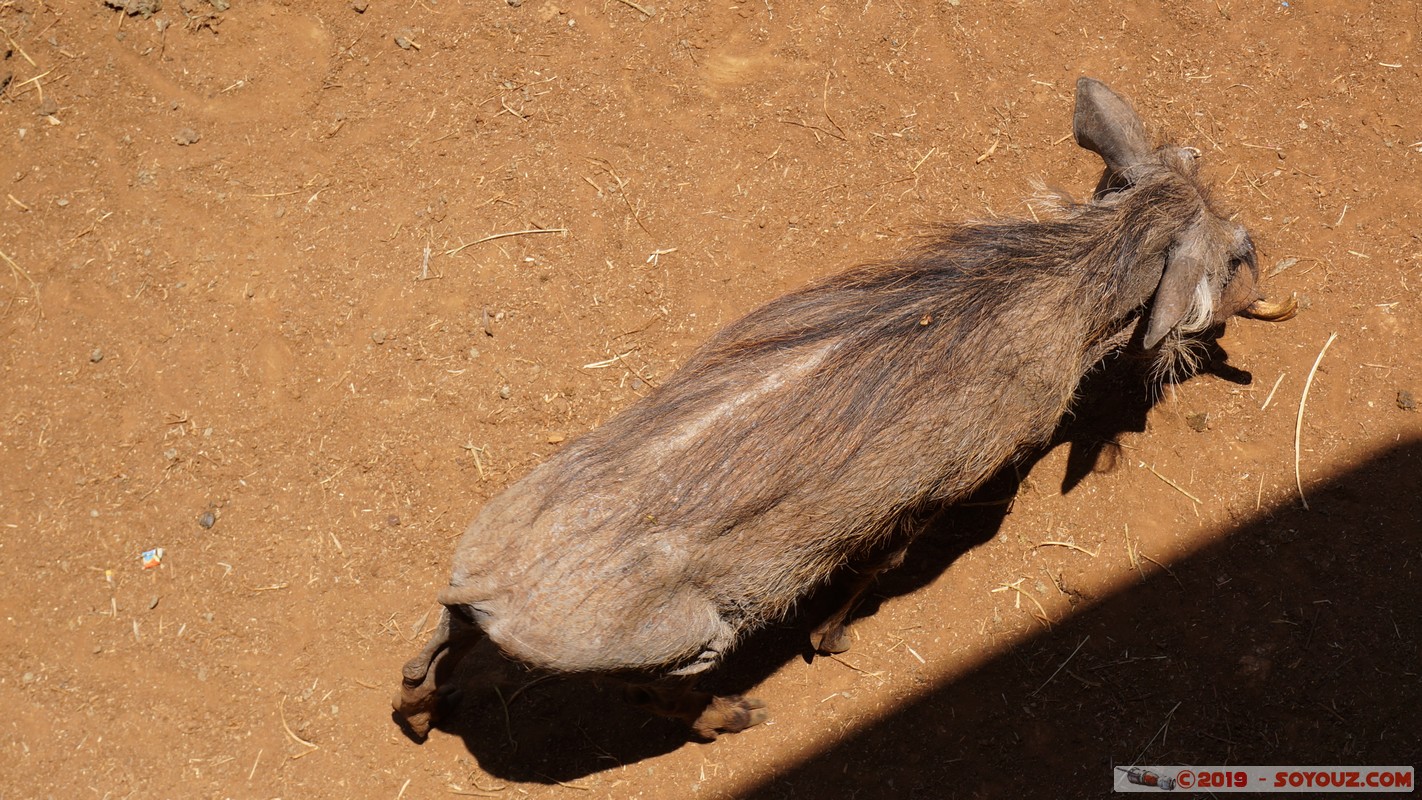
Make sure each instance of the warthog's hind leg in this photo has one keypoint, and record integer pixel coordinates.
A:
(418, 701)
(708, 715)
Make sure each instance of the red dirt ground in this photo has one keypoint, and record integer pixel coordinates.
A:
(247, 271)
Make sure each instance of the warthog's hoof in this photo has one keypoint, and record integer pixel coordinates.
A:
(417, 709)
(830, 641)
(730, 714)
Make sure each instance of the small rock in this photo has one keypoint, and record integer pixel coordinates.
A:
(505, 392)
(153, 602)
(97, 649)
(136, 8)
(378, 337)
(28, 677)
(360, 6)
(406, 40)
(1198, 422)
(473, 353)
(1406, 400)
(207, 519)
(97, 355)
(556, 438)
(393, 521)
(514, 3)
(171, 454)
(62, 202)
(220, 5)
(187, 136)
(48, 108)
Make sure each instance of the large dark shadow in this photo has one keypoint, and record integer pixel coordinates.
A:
(561, 729)
(1292, 641)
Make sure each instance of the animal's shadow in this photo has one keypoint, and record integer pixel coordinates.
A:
(526, 727)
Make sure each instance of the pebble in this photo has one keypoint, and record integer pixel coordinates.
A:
(378, 337)
(1198, 422)
(48, 108)
(187, 136)
(505, 392)
(1406, 400)
(97, 355)
(207, 519)
(360, 6)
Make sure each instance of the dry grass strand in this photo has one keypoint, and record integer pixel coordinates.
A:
(1298, 423)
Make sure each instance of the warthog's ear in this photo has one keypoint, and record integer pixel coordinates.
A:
(1185, 266)
(1106, 125)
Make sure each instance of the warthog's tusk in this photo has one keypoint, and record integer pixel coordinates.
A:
(1273, 312)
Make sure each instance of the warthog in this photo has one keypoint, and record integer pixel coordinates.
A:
(819, 432)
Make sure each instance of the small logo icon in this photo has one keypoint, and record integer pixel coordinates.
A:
(1145, 777)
